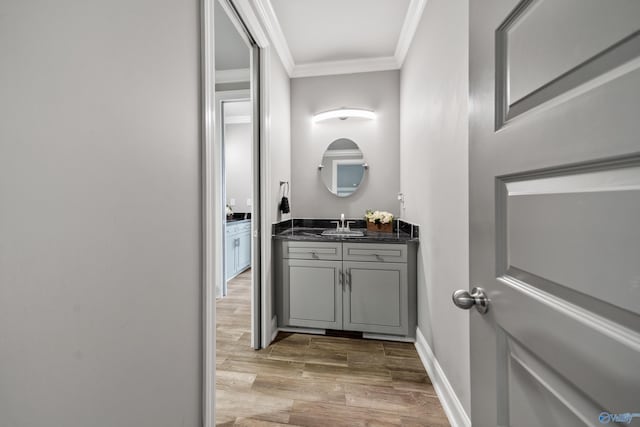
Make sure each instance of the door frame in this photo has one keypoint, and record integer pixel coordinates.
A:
(212, 219)
(258, 211)
(248, 12)
(210, 204)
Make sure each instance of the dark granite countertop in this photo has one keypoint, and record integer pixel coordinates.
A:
(315, 235)
(238, 216)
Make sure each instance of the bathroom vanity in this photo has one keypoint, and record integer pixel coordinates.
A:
(238, 247)
(365, 283)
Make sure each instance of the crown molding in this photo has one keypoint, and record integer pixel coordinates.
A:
(269, 22)
(233, 76)
(268, 17)
(347, 66)
(409, 27)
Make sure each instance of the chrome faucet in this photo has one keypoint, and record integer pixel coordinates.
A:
(340, 224)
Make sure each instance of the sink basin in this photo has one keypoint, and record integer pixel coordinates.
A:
(343, 233)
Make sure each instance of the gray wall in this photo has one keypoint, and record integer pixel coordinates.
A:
(277, 164)
(221, 87)
(378, 139)
(100, 295)
(237, 153)
(279, 155)
(434, 178)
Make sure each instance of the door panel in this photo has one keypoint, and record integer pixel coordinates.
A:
(552, 50)
(553, 219)
(573, 347)
(565, 406)
(561, 35)
(554, 189)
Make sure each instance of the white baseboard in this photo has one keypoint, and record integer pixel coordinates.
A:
(451, 404)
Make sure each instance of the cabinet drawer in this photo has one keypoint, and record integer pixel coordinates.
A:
(375, 252)
(312, 250)
(238, 228)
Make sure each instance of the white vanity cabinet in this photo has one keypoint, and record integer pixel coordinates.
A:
(366, 287)
(237, 247)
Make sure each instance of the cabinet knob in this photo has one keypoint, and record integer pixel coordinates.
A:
(314, 254)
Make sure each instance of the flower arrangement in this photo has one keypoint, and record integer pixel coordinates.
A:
(378, 217)
(379, 221)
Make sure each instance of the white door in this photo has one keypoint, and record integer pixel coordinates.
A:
(555, 212)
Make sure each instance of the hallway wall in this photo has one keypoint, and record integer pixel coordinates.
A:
(434, 179)
(100, 290)
(238, 140)
(277, 167)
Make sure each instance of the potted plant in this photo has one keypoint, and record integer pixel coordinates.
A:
(380, 221)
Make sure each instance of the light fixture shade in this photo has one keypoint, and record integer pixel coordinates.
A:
(344, 113)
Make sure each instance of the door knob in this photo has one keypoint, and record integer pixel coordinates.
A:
(465, 300)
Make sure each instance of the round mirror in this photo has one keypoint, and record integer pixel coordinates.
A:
(342, 167)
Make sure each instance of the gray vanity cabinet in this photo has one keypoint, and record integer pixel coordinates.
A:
(366, 287)
(237, 248)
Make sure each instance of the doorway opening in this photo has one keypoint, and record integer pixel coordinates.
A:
(237, 161)
(235, 191)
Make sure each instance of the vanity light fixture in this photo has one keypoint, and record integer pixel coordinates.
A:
(344, 114)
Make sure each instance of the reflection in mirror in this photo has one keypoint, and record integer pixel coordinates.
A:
(342, 167)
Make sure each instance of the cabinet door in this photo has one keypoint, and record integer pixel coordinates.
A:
(244, 250)
(376, 297)
(313, 293)
(230, 256)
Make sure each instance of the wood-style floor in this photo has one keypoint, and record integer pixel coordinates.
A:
(314, 380)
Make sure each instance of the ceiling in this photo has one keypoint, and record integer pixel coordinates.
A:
(333, 30)
(319, 37)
